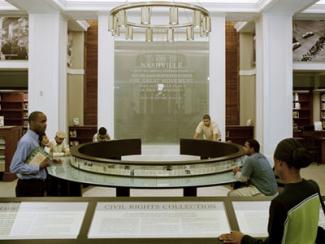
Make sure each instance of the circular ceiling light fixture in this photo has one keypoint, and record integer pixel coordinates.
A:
(197, 20)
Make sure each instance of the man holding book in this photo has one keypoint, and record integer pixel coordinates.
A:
(29, 162)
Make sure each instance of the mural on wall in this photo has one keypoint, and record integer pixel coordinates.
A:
(308, 41)
(13, 38)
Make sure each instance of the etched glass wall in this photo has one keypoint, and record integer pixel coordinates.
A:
(161, 90)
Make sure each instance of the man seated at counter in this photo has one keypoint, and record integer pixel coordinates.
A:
(208, 128)
(101, 135)
(257, 170)
(57, 147)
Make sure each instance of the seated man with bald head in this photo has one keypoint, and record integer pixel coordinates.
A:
(58, 147)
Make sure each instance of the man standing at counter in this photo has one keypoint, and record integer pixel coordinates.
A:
(208, 128)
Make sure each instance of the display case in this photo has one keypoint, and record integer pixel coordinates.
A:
(81, 134)
(14, 107)
(9, 137)
(105, 158)
(302, 109)
(132, 220)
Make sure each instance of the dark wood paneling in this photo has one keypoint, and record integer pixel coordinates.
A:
(232, 70)
(90, 94)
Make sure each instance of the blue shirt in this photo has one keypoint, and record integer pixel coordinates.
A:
(18, 165)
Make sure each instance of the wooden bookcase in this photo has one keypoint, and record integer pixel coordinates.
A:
(9, 137)
(239, 134)
(14, 107)
(302, 109)
(81, 134)
(322, 109)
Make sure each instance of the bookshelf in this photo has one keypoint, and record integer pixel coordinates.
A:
(302, 109)
(322, 109)
(239, 134)
(14, 107)
(9, 137)
(81, 134)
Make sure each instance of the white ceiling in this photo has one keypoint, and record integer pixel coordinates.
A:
(210, 1)
(235, 10)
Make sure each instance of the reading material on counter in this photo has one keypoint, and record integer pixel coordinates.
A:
(42, 220)
(158, 220)
(252, 217)
(8, 212)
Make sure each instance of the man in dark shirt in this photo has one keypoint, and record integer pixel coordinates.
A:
(257, 170)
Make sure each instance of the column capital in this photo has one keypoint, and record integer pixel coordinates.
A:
(286, 7)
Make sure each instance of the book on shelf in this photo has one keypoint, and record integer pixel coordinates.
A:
(295, 114)
(323, 98)
(74, 143)
(2, 121)
(295, 97)
(73, 133)
(37, 156)
(297, 105)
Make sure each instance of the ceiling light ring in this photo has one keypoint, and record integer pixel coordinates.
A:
(184, 25)
(200, 21)
(129, 6)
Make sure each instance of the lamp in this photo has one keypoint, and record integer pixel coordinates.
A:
(199, 20)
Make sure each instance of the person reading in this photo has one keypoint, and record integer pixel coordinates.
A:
(58, 147)
(101, 135)
(208, 129)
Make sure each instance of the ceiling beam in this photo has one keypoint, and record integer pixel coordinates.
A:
(286, 6)
(37, 6)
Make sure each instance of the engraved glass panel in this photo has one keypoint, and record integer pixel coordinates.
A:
(161, 90)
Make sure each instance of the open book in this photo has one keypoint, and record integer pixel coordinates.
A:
(37, 156)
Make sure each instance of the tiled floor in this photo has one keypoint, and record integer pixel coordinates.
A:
(316, 172)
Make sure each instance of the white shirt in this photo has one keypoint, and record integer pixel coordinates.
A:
(97, 139)
(208, 131)
(55, 148)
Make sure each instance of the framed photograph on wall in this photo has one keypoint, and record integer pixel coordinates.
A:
(308, 41)
(13, 38)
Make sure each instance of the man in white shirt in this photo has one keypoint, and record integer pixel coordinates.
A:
(208, 128)
(101, 135)
(57, 147)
